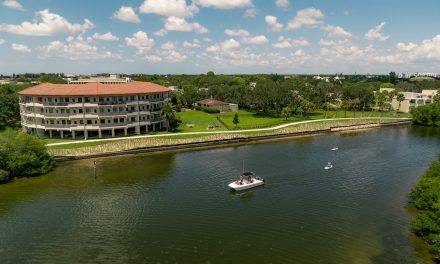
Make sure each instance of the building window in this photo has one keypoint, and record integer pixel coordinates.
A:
(79, 100)
(89, 122)
(81, 122)
(121, 120)
(102, 121)
(80, 111)
(115, 120)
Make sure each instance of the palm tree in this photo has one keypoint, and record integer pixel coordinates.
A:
(167, 113)
(400, 98)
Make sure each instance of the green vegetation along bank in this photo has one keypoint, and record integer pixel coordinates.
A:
(22, 155)
(426, 198)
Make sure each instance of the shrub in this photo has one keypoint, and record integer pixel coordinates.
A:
(22, 154)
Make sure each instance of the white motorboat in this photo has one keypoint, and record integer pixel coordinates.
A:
(335, 148)
(247, 180)
(329, 166)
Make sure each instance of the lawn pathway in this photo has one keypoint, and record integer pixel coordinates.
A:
(217, 132)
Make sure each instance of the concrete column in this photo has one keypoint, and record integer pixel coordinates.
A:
(50, 133)
(125, 131)
(73, 134)
(146, 129)
(137, 130)
(160, 125)
(99, 133)
(154, 126)
(62, 133)
(86, 134)
(113, 132)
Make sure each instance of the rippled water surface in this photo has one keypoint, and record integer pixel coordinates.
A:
(176, 207)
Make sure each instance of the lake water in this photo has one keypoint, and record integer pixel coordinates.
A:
(176, 207)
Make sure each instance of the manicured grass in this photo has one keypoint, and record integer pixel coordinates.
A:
(80, 145)
(250, 119)
(200, 120)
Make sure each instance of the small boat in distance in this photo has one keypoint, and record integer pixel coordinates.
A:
(335, 148)
(247, 180)
(329, 166)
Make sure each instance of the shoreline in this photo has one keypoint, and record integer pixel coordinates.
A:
(233, 141)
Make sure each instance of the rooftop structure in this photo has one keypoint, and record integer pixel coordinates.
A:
(92, 109)
(113, 79)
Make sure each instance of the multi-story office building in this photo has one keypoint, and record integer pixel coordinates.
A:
(92, 109)
(412, 100)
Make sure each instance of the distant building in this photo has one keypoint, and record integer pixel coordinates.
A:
(113, 79)
(413, 100)
(92, 109)
(218, 105)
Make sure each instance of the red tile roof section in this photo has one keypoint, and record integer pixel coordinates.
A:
(211, 102)
(94, 89)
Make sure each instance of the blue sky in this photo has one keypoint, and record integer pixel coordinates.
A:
(226, 36)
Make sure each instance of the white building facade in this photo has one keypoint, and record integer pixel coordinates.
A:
(92, 110)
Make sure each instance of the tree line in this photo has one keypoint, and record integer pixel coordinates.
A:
(426, 198)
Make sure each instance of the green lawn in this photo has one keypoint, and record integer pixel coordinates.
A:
(250, 119)
(200, 121)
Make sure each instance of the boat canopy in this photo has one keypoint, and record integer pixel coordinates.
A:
(248, 173)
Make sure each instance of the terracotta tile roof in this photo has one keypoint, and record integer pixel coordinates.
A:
(211, 102)
(93, 89)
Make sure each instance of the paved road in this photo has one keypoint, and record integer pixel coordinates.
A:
(215, 132)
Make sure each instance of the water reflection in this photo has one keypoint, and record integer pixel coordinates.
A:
(176, 207)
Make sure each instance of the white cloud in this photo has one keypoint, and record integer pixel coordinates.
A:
(284, 43)
(227, 45)
(140, 41)
(257, 40)
(20, 47)
(75, 49)
(250, 13)
(2, 41)
(153, 58)
(375, 34)
(106, 37)
(272, 24)
(14, 4)
(237, 33)
(428, 49)
(127, 14)
(174, 56)
(50, 24)
(168, 46)
(190, 45)
(336, 31)
(174, 8)
(224, 4)
(309, 17)
(282, 3)
(246, 37)
(180, 24)
(161, 32)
